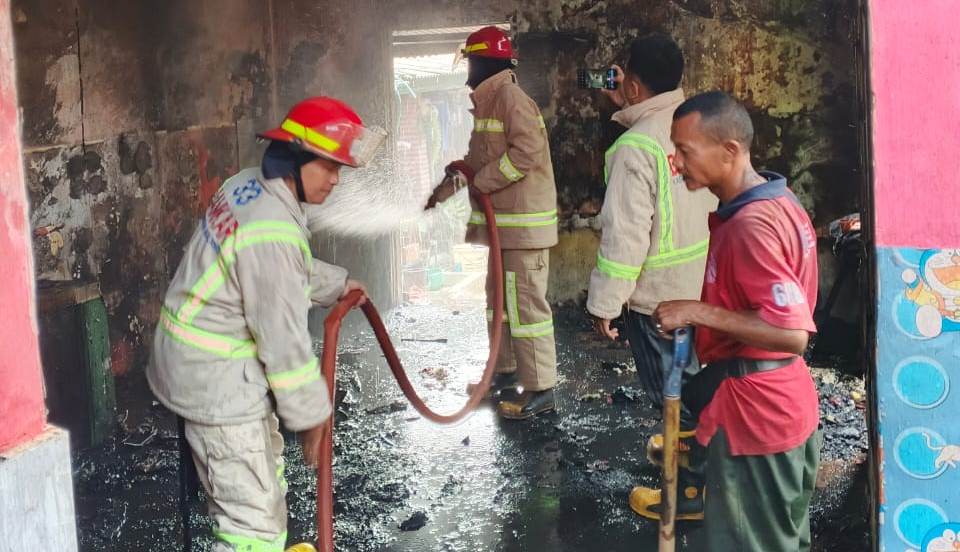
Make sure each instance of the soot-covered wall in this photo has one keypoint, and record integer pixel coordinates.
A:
(134, 113)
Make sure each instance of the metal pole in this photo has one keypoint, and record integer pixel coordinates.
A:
(671, 433)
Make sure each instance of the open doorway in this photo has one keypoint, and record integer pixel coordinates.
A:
(432, 128)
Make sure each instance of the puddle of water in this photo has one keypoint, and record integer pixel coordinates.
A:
(559, 482)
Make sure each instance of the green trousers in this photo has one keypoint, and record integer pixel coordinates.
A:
(759, 503)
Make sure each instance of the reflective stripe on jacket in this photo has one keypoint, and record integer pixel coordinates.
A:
(233, 325)
(510, 154)
(655, 234)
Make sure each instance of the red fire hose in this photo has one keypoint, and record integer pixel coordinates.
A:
(331, 331)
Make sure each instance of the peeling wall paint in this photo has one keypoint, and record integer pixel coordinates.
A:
(62, 76)
(133, 114)
(108, 218)
(132, 118)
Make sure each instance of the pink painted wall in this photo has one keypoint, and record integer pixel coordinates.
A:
(915, 77)
(22, 413)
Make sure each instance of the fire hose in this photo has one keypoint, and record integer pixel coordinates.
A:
(331, 332)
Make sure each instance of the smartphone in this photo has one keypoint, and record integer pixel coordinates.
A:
(597, 78)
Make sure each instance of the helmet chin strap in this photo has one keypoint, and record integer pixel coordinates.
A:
(301, 195)
(303, 157)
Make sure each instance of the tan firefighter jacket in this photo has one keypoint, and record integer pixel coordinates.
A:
(510, 154)
(655, 234)
(233, 325)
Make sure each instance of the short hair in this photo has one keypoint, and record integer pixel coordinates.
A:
(721, 116)
(657, 61)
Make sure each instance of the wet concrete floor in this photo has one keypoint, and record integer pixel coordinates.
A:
(559, 482)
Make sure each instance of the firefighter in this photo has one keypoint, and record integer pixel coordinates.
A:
(509, 158)
(654, 242)
(233, 324)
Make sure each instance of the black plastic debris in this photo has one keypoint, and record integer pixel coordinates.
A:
(414, 522)
(624, 394)
(389, 408)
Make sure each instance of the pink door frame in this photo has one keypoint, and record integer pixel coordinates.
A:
(914, 75)
(21, 381)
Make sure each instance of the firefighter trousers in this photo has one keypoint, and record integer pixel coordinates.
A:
(527, 346)
(241, 469)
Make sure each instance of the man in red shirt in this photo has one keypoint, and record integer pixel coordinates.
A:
(757, 403)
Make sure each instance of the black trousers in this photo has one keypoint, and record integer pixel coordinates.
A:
(653, 356)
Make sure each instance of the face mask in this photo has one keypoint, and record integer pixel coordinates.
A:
(480, 69)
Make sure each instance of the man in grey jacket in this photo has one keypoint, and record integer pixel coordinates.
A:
(233, 325)
(655, 234)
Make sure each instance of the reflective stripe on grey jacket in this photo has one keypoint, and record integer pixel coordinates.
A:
(655, 234)
(233, 325)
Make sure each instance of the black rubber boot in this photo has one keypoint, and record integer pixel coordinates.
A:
(500, 384)
(646, 501)
(527, 405)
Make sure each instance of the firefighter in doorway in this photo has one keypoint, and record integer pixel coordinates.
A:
(509, 159)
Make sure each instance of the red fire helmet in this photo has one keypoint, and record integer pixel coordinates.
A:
(329, 128)
(490, 42)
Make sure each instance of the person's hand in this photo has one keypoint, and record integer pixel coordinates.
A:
(460, 166)
(310, 439)
(353, 285)
(616, 96)
(441, 193)
(602, 327)
(671, 315)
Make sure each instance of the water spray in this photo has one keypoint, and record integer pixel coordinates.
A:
(331, 332)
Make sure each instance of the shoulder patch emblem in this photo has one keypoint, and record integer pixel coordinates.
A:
(247, 193)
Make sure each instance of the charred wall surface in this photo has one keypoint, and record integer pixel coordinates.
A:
(134, 113)
(790, 61)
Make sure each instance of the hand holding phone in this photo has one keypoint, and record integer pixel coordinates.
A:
(598, 79)
(617, 95)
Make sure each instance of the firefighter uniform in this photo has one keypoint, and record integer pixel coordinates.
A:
(232, 330)
(655, 236)
(509, 154)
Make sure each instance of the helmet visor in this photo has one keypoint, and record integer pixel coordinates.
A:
(342, 141)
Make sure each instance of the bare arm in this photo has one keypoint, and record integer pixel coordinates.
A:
(745, 326)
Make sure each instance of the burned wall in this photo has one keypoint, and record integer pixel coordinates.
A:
(134, 115)
(90, 112)
(790, 62)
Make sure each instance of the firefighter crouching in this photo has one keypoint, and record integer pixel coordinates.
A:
(233, 325)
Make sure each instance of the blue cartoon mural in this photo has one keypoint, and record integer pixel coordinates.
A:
(930, 304)
(918, 365)
(943, 538)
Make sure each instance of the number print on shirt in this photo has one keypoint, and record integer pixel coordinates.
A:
(787, 294)
(247, 193)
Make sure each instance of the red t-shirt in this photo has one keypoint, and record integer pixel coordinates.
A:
(763, 258)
